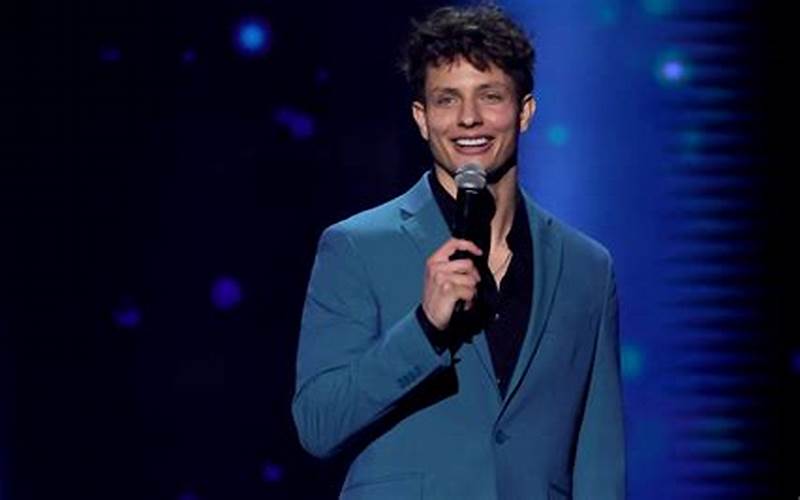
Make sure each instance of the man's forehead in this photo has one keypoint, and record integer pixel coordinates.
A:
(462, 62)
(449, 74)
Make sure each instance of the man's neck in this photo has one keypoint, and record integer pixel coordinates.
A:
(505, 198)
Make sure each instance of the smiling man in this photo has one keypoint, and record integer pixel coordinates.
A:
(521, 399)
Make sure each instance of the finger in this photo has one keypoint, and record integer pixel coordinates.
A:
(460, 266)
(465, 293)
(451, 246)
(465, 245)
(457, 280)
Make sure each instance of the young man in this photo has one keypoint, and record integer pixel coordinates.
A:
(526, 403)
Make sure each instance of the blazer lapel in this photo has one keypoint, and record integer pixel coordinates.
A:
(421, 218)
(424, 223)
(547, 254)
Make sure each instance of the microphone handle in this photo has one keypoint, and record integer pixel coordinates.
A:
(459, 254)
(467, 202)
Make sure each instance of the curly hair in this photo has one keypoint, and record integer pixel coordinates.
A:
(483, 35)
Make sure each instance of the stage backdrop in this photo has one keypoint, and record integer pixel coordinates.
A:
(167, 168)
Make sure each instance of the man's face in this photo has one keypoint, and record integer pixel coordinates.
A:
(471, 116)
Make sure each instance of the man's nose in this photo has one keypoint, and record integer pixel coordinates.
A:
(469, 114)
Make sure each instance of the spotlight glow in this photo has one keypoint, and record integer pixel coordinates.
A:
(658, 7)
(672, 69)
(298, 123)
(272, 473)
(110, 54)
(127, 315)
(558, 135)
(631, 362)
(226, 293)
(253, 37)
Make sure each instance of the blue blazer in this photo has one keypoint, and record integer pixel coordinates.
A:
(422, 425)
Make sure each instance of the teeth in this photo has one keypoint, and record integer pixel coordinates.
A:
(478, 141)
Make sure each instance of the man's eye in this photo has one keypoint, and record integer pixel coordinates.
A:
(445, 100)
(493, 97)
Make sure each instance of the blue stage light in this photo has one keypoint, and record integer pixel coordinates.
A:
(608, 14)
(189, 56)
(110, 54)
(672, 68)
(796, 362)
(299, 124)
(558, 135)
(272, 473)
(631, 362)
(322, 76)
(226, 293)
(127, 315)
(253, 37)
(658, 7)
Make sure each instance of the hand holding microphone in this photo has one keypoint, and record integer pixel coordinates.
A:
(451, 275)
(449, 282)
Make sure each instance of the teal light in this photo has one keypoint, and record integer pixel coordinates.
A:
(631, 362)
(658, 7)
(608, 15)
(558, 135)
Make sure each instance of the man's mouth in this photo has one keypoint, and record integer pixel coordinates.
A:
(472, 145)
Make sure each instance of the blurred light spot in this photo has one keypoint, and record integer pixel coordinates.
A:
(323, 76)
(127, 315)
(253, 37)
(299, 124)
(226, 293)
(796, 363)
(631, 362)
(658, 7)
(110, 54)
(691, 139)
(672, 69)
(189, 56)
(188, 495)
(272, 473)
(558, 135)
(608, 15)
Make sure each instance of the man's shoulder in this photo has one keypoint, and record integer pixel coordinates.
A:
(576, 243)
(376, 220)
(376, 224)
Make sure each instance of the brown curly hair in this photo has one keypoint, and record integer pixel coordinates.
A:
(483, 35)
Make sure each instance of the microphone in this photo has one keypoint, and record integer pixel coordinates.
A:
(473, 217)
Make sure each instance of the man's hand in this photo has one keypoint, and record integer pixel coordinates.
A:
(448, 281)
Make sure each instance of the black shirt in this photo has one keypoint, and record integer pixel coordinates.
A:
(504, 313)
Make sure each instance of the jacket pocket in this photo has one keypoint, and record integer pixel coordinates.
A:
(406, 486)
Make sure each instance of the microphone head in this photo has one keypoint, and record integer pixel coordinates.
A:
(470, 176)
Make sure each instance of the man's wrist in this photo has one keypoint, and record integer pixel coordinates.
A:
(438, 338)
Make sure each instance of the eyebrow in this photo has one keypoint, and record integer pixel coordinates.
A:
(483, 86)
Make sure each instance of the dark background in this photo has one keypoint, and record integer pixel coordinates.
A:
(143, 158)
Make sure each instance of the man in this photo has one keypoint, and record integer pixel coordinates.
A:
(520, 397)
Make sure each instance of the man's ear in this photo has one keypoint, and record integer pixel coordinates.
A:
(418, 111)
(526, 112)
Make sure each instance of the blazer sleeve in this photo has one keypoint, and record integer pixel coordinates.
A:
(599, 469)
(350, 372)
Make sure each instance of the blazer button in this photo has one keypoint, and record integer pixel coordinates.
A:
(500, 437)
